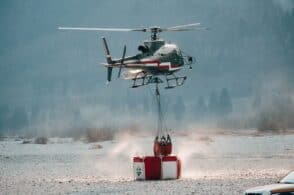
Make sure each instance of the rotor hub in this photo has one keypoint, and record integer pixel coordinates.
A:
(154, 31)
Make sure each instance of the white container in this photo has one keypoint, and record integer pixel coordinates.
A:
(138, 168)
(170, 167)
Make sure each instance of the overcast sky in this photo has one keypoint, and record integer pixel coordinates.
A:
(249, 47)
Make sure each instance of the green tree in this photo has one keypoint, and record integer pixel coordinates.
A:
(225, 102)
(179, 108)
(201, 107)
(213, 103)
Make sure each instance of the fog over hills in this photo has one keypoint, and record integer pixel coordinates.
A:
(51, 79)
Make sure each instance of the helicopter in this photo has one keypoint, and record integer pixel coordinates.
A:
(156, 58)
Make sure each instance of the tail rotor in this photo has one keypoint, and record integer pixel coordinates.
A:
(122, 61)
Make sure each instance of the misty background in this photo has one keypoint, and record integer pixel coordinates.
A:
(52, 81)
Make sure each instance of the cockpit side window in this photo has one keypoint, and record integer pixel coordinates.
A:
(179, 52)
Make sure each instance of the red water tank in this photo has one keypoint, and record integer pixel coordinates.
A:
(156, 148)
(166, 149)
(163, 149)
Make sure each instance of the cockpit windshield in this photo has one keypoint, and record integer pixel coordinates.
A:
(168, 49)
(288, 179)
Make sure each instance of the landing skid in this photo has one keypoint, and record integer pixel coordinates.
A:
(171, 80)
(141, 81)
(174, 81)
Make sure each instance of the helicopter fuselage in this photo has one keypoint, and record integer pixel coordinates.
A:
(156, 58)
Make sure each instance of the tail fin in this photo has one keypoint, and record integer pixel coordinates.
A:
(108, 59)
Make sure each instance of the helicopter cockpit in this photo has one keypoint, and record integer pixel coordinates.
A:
(169, 49)
(154, 45)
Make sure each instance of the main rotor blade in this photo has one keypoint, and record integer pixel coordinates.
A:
(184, 26)
(100, 29)
(186, 29)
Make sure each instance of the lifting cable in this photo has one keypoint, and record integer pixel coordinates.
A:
(162, 131)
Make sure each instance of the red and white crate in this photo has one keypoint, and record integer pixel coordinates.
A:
(156, 167)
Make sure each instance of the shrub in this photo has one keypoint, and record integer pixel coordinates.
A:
(99, 134)
(41, 140)
(26, 142)
(96, 146)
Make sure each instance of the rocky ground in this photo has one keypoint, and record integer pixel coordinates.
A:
(212, 164)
